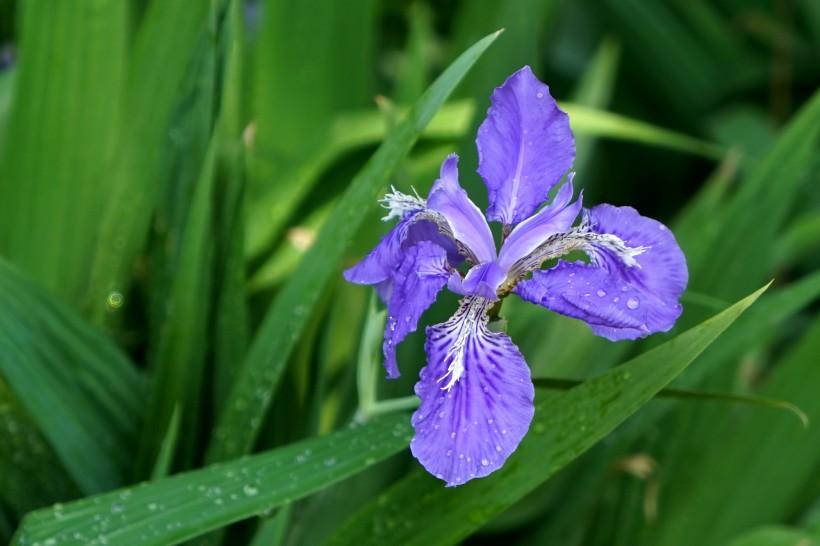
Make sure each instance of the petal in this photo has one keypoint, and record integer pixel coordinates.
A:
(557, 217)
(378, 267)
(421, 275)
(609, 306)
(470, 429)
(632, 285)
(465, 219)
(483, 280)
(660, 273)
(524, 147)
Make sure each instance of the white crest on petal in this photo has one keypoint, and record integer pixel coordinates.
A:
(470, 312)
(398, 203)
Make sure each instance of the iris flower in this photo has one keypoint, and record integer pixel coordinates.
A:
(476, 392)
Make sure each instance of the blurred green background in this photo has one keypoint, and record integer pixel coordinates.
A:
(182, 182)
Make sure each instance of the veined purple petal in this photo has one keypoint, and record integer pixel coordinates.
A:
(632, 285)
(557, 217)
(660, 274)
(418, 279)
(483, 280)
(378, 267)
(468, 430)
(465, 219)
(609, 306)
(524, 147)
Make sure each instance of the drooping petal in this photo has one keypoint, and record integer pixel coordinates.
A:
(524, 147)
(609, 306)
(557, 217)
(465, 219)
(378, 267)
(660, 272)
(476, 397)
(418, 279)
(632, 285)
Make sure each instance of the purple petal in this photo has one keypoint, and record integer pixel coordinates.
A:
(470, 429)
(483, 280)
(378, 267)
(557, 217)
(617, 300)
(661, 274)
(524, 147)
(465, 219)
(609, 306)
(417, 281)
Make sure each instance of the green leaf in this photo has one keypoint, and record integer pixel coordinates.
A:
(31, 475)
(63, 113)
(420, 510)
(774, 535)
(165, 44)
(250, 397)
(171, 510)
(180, 362)
(80, 390)
(599, 123)
(689, 394)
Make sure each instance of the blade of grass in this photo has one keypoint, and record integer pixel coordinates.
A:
(171, 510)
(563, 384)
(63, 114)
(164, 46)
(420, 510)
(80, 390)
(250, 397)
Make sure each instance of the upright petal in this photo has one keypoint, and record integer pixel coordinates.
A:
(465, 219)
(524, 147)
(557, 217)
(418, 279)
(476, 397)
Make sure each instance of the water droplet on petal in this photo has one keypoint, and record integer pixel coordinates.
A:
(633, 303)
(616, 299)
(441, 415)
(540, 95)
(624, 288)
(485, 462)
(601, 293)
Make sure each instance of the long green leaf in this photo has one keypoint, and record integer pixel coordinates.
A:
(248, 401)
(419, 510)
(80, 390)
(66, 96)
(164, 47)
(181, 507)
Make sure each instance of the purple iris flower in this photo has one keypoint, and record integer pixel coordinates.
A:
(476, 392)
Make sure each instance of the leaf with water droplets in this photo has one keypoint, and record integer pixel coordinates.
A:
(171, 510)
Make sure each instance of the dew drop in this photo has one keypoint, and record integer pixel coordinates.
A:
(624, 288)
(601, 293)
(485, 462)
(616, 299)
(540, 95)
(452, 435)
(441, 415)
(250, 490)
(498, 448)
(461, 455)
(440, 476)
(632, 303)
